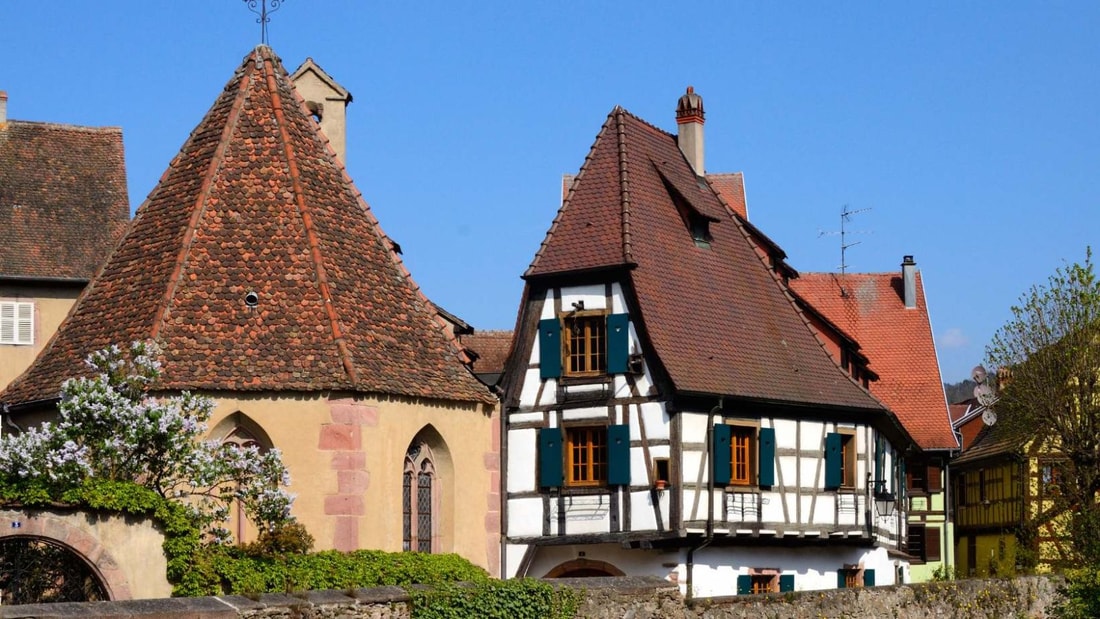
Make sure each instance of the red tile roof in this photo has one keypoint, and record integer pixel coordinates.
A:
(63, 201)
(718, 318)
(731, 188)
(897, 341)
(491, 347)
(257, 202)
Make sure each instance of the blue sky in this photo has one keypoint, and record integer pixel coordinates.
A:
(970, 130)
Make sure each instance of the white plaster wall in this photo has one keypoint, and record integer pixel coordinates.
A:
(521, 460)
(592, 297)
(633, 562)
(528, 395)
(513, 558)
(641, 509)
(716, 569)
(571, 414)
(656, 420)
(525, 517)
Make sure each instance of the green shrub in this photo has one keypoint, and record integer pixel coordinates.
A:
(235, 571)
(494, 599)
(1081, 595)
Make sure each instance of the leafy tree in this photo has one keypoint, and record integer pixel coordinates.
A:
(1050, 353)
(111, 427)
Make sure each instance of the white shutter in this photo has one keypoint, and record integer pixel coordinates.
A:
(24, 323)
(7, 323)
(16, 323)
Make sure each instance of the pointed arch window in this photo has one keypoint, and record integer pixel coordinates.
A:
(242, 439)
(420, 500)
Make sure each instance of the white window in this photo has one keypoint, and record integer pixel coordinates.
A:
(16, 323)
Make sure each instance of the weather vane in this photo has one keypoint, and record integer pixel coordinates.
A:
(266, 8)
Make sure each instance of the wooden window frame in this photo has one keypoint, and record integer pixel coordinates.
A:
(595, 354)
(765, 583)
(744, 449)
(849, 458)
(11, 321)
(589, 442)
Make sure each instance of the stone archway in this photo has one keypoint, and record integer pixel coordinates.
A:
(584, 568)
(36, 570)
(122, 553)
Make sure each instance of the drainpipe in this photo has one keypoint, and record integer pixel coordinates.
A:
(710, 504)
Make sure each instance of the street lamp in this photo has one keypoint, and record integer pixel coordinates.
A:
(885, 502)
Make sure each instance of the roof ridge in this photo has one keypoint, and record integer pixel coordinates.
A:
(624, 186)
(199, 205)
(307, 220)
(572, 190)
(65, 126)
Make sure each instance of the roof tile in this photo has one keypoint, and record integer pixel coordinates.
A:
(257, 202)
(718, 318)
(897, 341)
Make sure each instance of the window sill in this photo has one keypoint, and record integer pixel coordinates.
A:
(584, 490)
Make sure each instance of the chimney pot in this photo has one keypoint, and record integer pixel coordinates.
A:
(689, 124)
(909, 281)
(3, 107)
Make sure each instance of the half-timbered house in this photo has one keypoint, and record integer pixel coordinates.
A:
(877, 326)
(668, 409)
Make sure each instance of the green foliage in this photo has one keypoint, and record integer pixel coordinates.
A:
(1080, 595)
(1050, 353)
(281, 539)
(236, 571)
(494, 599)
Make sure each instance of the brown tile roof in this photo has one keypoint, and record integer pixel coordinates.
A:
(491, 347)
(63, 201)
(718, 319)
(256, 202)
(897, 341)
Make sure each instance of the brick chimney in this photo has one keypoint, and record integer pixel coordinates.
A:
(689, 126)
(909, 281)
(3, 107)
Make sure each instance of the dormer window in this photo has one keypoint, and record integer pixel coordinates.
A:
(585, 350)
(700, 230)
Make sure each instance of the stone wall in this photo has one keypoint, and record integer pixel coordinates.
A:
(638, 598)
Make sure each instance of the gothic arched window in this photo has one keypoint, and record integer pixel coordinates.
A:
(419, 501)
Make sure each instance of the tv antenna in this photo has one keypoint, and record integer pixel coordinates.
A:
(266, 8)
(845, 219)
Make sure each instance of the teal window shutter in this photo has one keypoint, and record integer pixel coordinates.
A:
(618, 343)
(550, 458)
(766, 451)
(786, 583)
(841, 583)
(832, 461)
(868, 578)
(721, 452)
(744, 584)
(618, 455)
(549, 348)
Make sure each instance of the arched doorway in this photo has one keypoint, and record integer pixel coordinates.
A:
(37, 570)
(584, 568)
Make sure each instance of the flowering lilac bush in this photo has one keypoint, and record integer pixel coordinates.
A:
(111, 428)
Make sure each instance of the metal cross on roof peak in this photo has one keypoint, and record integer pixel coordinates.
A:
(263, 8)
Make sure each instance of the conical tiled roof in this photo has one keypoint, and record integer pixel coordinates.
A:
(256, 202)
(717, 317)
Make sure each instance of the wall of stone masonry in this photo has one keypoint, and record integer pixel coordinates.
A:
(607, 598)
